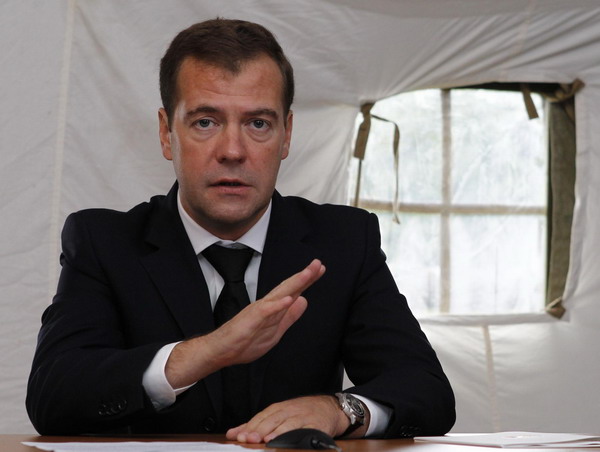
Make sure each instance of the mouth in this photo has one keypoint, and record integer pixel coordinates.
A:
(229, 183)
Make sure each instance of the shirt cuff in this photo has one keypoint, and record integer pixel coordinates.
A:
(380, 416)
(155, 381)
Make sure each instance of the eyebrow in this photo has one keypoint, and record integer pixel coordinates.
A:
(263, 112)
(210, 109)
(201, 109)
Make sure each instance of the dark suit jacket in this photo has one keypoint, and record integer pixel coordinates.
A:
(131, 283)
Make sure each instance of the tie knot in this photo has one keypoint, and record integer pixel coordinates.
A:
(231, 263)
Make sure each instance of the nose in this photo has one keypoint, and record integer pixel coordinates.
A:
(231, 146)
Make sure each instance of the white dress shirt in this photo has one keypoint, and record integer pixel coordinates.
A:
(155, 381)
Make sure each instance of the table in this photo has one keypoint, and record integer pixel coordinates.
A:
(12, 443)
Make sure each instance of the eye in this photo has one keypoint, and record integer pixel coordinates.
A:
(204, 123)
(259, 123)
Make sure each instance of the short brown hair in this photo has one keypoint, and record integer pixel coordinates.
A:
(227, 44)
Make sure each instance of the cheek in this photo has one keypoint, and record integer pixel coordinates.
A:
(271, 163)
(189, 156)
(271, 175)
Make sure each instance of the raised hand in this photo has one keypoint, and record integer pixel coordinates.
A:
(247, 336)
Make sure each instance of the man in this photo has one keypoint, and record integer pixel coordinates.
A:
(130, 342)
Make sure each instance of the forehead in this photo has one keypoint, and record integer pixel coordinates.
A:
(258, 80)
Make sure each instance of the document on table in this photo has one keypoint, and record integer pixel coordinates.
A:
(517, 440)
(137, 446)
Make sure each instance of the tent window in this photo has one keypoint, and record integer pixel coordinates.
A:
(464, 204)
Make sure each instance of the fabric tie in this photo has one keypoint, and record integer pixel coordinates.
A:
(231, 264)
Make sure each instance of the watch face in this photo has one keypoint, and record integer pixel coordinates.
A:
(356, 406)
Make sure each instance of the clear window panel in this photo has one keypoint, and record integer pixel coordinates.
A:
(498, 165)
(497, 263)
(500, 156)
(413, 256)
(418, 115)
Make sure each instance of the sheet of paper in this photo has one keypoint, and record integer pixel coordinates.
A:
(517, 440)
(137, 446)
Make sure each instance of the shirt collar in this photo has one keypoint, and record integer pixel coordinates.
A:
(201, 239)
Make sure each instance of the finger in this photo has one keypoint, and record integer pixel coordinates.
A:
(252, 438)
(299, 282)
(282, 314)
(293, 313)
(232, 433)
(260, 425)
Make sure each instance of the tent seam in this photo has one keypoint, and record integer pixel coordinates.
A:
(59, 150)
(491, 378)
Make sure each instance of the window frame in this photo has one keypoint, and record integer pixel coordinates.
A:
(446, 208)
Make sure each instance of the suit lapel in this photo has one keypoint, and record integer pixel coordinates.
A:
(285, 251)
(284, 254)
(174, 269)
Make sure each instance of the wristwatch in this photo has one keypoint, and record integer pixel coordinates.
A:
(353, 408)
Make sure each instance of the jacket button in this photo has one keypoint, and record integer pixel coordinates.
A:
(119, 406)
(208, 425)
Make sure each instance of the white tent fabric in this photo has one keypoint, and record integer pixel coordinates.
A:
(78, 127)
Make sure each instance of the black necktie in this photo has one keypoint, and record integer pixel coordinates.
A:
(231, 263)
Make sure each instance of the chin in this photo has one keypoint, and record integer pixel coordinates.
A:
(232, 220)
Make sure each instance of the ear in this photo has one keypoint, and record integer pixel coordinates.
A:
(289, 122)
(164, 133)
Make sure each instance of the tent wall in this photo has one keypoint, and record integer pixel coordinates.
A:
(79, 129)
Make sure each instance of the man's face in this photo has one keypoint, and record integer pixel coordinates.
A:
(227, 140)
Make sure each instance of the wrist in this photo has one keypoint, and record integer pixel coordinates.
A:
(190, 361)
(342, 422)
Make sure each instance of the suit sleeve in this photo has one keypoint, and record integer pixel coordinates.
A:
(84, 378)
(388, 357)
